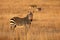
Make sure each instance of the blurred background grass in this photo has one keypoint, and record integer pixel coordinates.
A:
(45, 25)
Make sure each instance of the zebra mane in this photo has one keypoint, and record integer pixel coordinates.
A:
(27, 17)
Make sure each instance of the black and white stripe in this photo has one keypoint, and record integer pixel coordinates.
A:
(16, 21)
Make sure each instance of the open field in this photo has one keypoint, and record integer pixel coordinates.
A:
(45, 25)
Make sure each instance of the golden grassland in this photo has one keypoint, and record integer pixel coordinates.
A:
(45, 25)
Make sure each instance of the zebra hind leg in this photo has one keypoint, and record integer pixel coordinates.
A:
(13, 27)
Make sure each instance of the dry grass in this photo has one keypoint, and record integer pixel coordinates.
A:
(46, 23)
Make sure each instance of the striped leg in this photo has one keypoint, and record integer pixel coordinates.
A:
(26, 30)
(13, 27)
(12, 24)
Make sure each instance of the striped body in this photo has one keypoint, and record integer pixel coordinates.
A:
(16, 21)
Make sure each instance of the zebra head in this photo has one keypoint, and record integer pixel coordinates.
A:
(30, 16)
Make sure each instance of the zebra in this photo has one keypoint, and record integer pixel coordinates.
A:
(17, 21)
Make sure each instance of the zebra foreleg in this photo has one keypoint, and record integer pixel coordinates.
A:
(27, 27)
